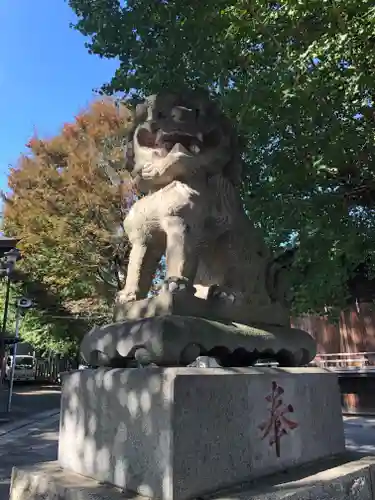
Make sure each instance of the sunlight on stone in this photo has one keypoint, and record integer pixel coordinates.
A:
(165, 448)
(146, 337)
(108, 380)
(135, 328)
(73, 428)
(155, 384)
(121, 434)
(133, 404)
(104, 342)
(23, 487)
(90, 384)
(145, 401)
(102, 460)
(147, 425)
(120, 472)
(48, 436)
(89, 453)
(122, 347)
(73, 382)
(92, 424)
(167, 484)
(168, 389)
(124, 377)
(156, 345)
(99, 377)
(74, 402)
(146, 490)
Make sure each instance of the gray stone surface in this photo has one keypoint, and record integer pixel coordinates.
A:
(29, 399)
(47, 481)
(168, 339)
(342, 479)
(176, 433)
(185, 303)
(346, 478)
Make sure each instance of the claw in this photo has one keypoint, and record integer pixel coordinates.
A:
(123, 298)
(172, 287)
(174, 284)
(216, 293)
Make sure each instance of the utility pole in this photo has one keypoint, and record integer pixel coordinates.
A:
(5, 317)
(16, 336)
(22, 305)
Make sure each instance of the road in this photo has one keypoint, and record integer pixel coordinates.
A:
(28, 445)
(29, 399)
(360, 434)
(32, 442)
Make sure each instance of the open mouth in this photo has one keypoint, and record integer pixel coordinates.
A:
(189, 142)
(166, 141)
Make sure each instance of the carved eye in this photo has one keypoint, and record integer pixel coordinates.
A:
(161, 115)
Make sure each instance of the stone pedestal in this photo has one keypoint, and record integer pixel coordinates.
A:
(347, 477)
(177, 433)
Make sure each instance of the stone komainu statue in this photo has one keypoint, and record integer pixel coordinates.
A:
(183, 155)
(224, 295)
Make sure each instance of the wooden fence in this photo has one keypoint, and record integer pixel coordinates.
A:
(48, 369)
(349, 350)
(354, 333)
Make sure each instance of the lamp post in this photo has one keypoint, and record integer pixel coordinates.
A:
(22, 304)
(10, 256)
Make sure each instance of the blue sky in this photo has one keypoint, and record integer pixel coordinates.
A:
(46, 74)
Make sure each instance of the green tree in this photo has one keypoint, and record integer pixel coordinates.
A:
(298, 77)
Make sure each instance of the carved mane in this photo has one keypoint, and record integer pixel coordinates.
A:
(232, 171)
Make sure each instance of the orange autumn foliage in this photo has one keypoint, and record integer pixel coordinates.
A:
(63, 206)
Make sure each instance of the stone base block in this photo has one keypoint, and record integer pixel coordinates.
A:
(48, 481)
(348, 477)
(178, 433)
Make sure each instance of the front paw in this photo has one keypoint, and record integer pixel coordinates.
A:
(124, 298)
(217, 293)
(174, 285)
(150, 171)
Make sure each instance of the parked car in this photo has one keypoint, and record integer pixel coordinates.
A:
(24, 370)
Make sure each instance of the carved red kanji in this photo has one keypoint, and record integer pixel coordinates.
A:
(277, 425)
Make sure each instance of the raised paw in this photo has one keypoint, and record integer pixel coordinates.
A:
(217, 293)
(174, 285)
(150, 171)
(205, 362)
(123, 298)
